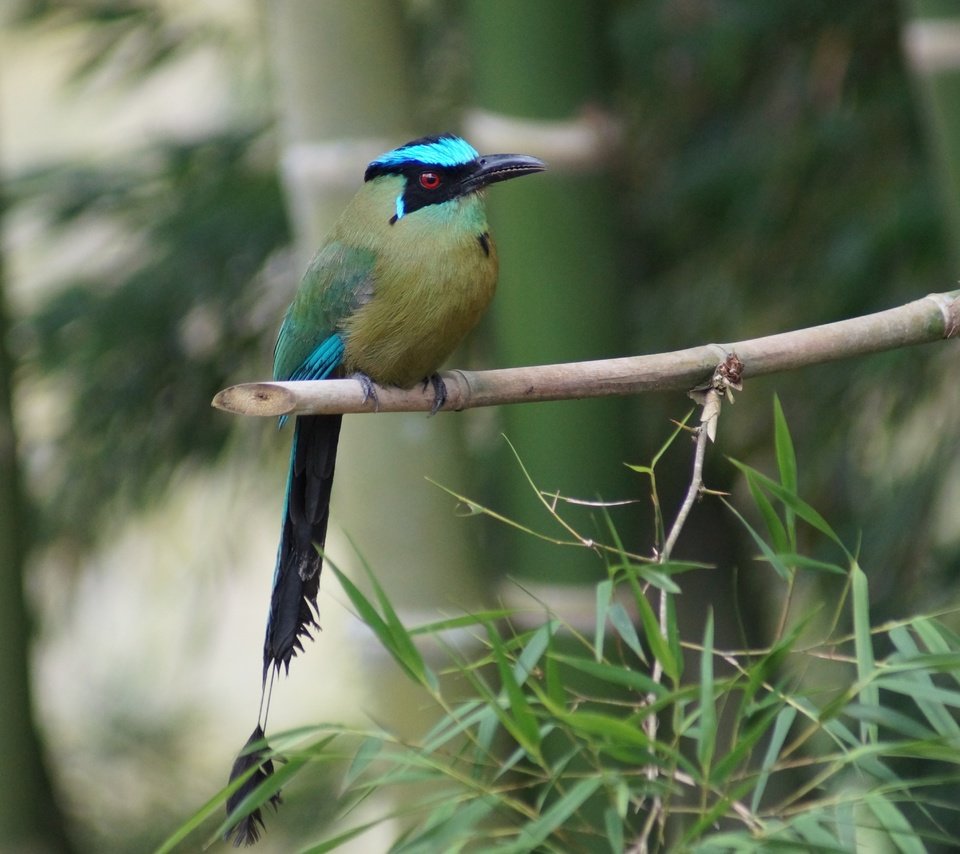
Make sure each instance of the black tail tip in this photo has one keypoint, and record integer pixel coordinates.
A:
(247, 829)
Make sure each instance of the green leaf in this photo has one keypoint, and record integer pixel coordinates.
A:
(613, 825)
(786, 463)
(785, 719)
(658, 578)
(533, 650)
(656, 641)
(555, 687)
(769, 555)
(465, 621)
(938, 639)
(614, 674)
(895, 824)
(451, 825)
(802, 561)
(626, 630)
(935, 712)
(775, 528)
(367, 751)
(817, 837)
(335, 842)
(211, 807)
(931, 693)
(863, 648)
(535, 833)
(673, 633)
(707, 731)
(891, 719)
(282, 774)
(747, 739)
(612, 729)
(793, 502)
(453, 724)
(604, 596)
(390, 631)
(523, 726)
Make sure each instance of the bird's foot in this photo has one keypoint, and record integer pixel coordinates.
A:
(439, 391)
(369, 389)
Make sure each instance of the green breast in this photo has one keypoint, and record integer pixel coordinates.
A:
(433, 278)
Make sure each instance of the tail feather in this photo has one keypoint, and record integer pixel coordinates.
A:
(255, 754)
(293, 604)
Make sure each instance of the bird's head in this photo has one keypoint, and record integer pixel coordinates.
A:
(437, 169)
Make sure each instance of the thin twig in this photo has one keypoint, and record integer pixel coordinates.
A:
(727, 375)
(932, 318)
(711, 412)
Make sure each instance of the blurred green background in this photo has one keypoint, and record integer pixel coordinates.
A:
(777, 165)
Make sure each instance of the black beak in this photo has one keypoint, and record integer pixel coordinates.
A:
(492, 168)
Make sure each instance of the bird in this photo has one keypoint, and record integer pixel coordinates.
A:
(407, 270)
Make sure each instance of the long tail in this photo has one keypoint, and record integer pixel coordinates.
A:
(293, 603)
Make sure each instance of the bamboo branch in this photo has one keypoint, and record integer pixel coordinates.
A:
(932, 318)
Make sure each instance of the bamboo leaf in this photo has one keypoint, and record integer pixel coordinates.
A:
(656, 641)
(604, 594)
(786, 464)
(791, 501)
(614, 827)
(769, 555)
(612, 729)
(673, 633)
(448, 828)
(533, 650)
(895, 824)
(891, 719)
(775, 527)
(335, 842)
(392, 636)
(524, 723)
(467, 620)
(271, 786)
(659, 578)
(534, 833)
(817, 837)
(863, 647)
(746, 741)
(707, 731)
(367, 751)
(935, 712)
(614, 674)
(931, 693)
(555, 687)
(781, 728)
(626, 630)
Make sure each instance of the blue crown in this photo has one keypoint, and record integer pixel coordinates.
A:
(446, 151)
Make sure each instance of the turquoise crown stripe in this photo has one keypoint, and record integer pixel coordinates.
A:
(446, 151)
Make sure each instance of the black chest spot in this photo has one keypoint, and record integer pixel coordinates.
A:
(484, 241)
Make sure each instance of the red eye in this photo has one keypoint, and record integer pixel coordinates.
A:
(429, 180)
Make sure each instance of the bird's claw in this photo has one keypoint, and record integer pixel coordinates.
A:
(369, 389)
(439, 392)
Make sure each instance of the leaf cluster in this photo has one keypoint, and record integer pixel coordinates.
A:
(637, 738)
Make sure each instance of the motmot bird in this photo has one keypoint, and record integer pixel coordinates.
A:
(406, 272)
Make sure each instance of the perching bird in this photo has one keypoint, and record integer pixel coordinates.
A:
(406, 272)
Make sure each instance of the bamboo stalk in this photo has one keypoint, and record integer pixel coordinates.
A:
(932, 318)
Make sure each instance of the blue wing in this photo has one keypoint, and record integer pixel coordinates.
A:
(323, 361)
